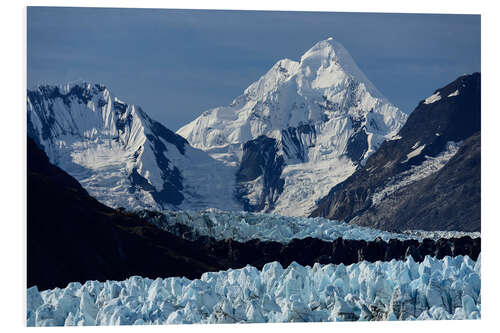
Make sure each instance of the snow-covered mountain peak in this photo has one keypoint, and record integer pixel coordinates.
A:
(325, 84)
(329, 58)
(283, 70)
(297, 131)
(318, 113)
(84, 110)
(119, 154)
(324, 52)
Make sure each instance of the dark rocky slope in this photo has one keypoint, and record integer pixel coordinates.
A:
(73, 237)
(260, 159)
(445, 200)
(63, 113)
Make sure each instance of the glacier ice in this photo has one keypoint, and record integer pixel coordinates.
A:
(244, 226)
(449, 288)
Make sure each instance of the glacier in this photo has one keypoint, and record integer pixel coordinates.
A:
(245, 226)
(449, 288)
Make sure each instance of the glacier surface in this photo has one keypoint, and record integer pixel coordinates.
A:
(244, 226)
(449, 288)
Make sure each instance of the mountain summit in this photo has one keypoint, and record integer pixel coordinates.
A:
(325, 83)
(293, 134)
(298, 130)
(120, 155)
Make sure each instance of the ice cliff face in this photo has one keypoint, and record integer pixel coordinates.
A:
(245, 226)
(312, 121)
(396, 290)
(122, 156)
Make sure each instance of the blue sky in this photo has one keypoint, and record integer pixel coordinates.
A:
(176, 64)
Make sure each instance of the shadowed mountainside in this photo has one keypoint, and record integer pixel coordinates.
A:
(398, 188)
(72, 237)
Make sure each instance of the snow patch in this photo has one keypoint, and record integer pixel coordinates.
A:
(433, 98)
(428, 167)
(413, 153)
(396, 137)
(455, 93)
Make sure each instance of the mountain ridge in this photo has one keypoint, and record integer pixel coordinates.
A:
(324, 116)
(437, 148)
(120, 154)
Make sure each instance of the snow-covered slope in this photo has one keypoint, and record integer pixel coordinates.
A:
(323, 117)
(429, 166)
(245, 226)
(120, 155)
(397, 290)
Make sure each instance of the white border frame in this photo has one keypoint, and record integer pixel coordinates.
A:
(13, 160)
